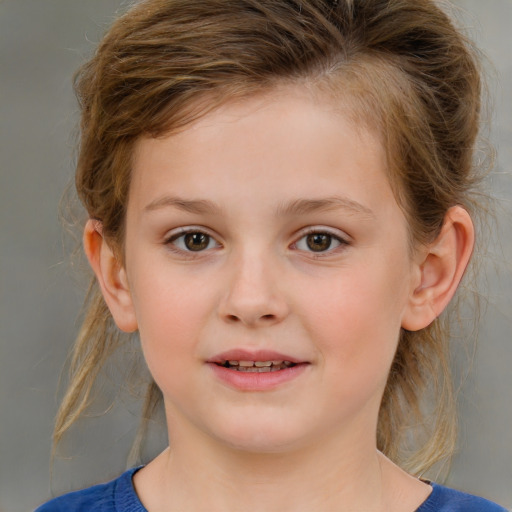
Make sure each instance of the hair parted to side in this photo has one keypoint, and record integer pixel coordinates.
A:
(402, 68)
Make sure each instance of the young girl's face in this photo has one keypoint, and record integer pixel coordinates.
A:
(268, 231)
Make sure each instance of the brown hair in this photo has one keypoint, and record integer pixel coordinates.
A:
(407, 73)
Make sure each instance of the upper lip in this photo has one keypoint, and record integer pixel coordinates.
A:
(252, 355)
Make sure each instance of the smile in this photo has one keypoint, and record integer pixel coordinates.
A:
(257, 366)
(256, 370)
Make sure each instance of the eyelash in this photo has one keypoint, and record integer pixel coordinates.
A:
(182, 234)
(171, 240)
(341, 242)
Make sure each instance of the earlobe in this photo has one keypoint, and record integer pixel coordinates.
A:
(441, 266)
(111, 276)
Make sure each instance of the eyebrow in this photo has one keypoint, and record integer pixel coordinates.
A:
(294, 207)
(199, 206)
(305, 206)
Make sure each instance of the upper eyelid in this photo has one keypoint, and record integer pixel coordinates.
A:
(177, 232)
(171, 244)
(183, 230)
(344, 241)
(341, 235)
(171, 237)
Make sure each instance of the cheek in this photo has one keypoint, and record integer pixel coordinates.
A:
(171, 313)
(356, 324)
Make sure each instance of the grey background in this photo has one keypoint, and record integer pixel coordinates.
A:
(41, 44)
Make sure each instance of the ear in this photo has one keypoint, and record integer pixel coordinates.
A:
(441, 266)
(111, 276)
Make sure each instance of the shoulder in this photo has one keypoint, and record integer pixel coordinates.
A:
(444, 499)
(114, 496)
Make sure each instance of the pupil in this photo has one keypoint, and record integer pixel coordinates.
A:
(196, 241)
(319, 242)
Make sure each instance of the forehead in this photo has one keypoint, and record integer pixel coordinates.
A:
(288, 143)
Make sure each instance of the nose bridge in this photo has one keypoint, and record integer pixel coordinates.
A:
(252, 293)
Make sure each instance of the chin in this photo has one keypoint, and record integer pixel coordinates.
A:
(261, 437)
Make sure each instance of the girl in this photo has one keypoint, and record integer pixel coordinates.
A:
(279, 197)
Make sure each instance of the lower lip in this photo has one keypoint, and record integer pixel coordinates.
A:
(257, 381)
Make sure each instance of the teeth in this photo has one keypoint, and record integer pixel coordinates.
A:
(255, 369)
(261, 364)
(257, 366)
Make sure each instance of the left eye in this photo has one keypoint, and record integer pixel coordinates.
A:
(193, 241)
(318, 242)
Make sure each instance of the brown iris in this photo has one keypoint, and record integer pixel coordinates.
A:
(196, 241)
(318, 242)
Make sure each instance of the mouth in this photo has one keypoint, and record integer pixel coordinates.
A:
(256, 366)
(256, 370)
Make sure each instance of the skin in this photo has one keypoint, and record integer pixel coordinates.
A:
(308, 444)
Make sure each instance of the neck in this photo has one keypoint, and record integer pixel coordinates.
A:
(339, 471)
(198, 474)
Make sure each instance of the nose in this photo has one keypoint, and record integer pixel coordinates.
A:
(253, 296)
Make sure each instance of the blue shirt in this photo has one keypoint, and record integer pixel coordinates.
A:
(119, 496)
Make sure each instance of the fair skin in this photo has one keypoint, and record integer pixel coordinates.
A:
(270, 225)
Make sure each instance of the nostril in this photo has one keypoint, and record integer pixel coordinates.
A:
(264, 318)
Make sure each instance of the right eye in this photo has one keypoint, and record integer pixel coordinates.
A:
(192, 241)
